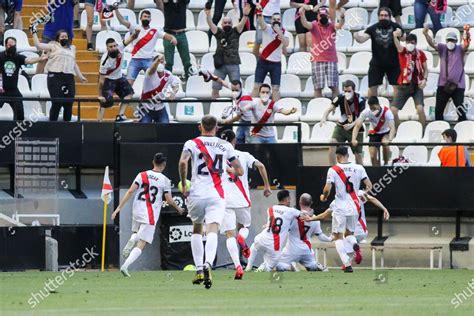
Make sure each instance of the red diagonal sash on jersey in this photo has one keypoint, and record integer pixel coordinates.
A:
(244, 98)
(270, 48)
(240, 185)
(266, 115)
(118, 63)
(276, 237)
(149, 94)
(353, 195)
(144, 40)
(151, 217)
(303, 233)
(380, 123)
(216, 178)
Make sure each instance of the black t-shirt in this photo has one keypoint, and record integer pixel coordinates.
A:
(175, 14)
(356, 109)
(10, 67)
(384, 52)
(228, 45)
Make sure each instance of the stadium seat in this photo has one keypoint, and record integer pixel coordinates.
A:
(102, 37)
(429, 107)
(285, 4)
(446, 18)
(216, 108)
(31, 68)
(293, 45)
(368, 3)
(434, 159)
(157, 17)
(353, 3)
(341, 62)
(189, 111)
(357, 47)
(346, 77)
(343, 40)
(416, 155)
(366, 161)
(202, 23)
(290, 86)
(430, 62)
(322, 133)
(6, 113)
(464, 15)
(356, 19)
(364, 86)
(24, 88)
(441, 34)
(213, 46)
(431, 85)
(138, 87)
(234, 15)
(288, 103)
(465, 131)
(359, 63)
(299, 64)
(248, 63)
(197, 4)
(290, 133)
(39, 85)
(408, 17)
(128, 15)
(384, 101)
(450, 112)
(394, 152)
(190, 21)
(288, 20)
(470, 108)
(433, 131)
(34, 111)
(95, 22)
(178, 68)
(246, 41)
(22, 43)
(315, 110)
(408, 112)
(126, 61)
(421, 40)
(308, 91)
(374, 18)
(196, 87)
(142, 4)
(199, 41)
(456, 3)
(469, 65)
(207, 61)
(409, 132)
(250, 81)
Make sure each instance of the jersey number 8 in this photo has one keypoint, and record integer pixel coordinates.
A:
(275, 225)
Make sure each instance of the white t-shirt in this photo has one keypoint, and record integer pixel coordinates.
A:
(237, 194)
(272, 6)
(374, 120)
(239, 106)
(272, 54)
(299, 240)
(344, 205)
(205, 185)
(258, 109)
(146, 49)
(110, 67)
(158, 184)
(280, 219)
(157, 87)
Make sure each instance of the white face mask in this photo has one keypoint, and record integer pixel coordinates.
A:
(160, 68)
(410, 47)
(450, 45)
(265, 97)
(235, 94)
(348, 95)
(375, 112)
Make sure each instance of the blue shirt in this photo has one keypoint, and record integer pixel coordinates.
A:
(63, 18)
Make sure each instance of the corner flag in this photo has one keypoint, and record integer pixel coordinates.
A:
(105, 196)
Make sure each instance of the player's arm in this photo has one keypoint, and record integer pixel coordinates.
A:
(324, 215)
(121, 19)
(183, 169)
(326, 191)
(263, 173)
(367, 183)
(237, 166)
(376, 202)
(125, 199)
(170, 201)
(154, 66)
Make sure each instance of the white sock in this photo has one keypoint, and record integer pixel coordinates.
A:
(134, 254)
(197, 249)
(244, 232)
(134, 237)
(348, 246)
(253, 254)
(233, 250)
(211, 247)
(341, 250)
(352, 241)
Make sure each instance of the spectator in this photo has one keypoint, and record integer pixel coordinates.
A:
(413, 76)
(226, 58)
(350, 104)
(250, 24)
(266, 9)
(61, 68)
(423, 7)
(112, 81)
(159, 85)
(451, 82)
(395, 6)
(275, 39)
(90, 6)
(175, 24)
(453, 156)
(143, 39)
(323, 51)
(218, 11)
(10, 65)
(384, 53)
(12, 8)
(382, 129)
(304, 37)
(263, 111)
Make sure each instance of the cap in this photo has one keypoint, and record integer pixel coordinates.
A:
(452, 36)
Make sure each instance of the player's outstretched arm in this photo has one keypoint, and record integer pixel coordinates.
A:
(183, 169)
(170, 201)
(326, 191)
(376, 202)
(125, 199)
(322, 216)
(263, 173)
(238, 170)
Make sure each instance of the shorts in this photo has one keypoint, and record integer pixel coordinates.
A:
(145, 232)
(405, 92)
(341, 135)
(206, 210)
(306, 259)
(232, 70)
(121, 87)
(266, 67)
(6, 5)
(377, 138)
(322, 71)
(136, 65)
(394, 5)
(376, 75)
(271, 257)
(341, 223)
(232, 215)
(89, 2)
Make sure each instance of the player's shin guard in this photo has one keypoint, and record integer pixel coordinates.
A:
(253, 254)
(341, 250)
(197, 249)
(211, 248)
(233, 250)
(134, 254)
(244, 232)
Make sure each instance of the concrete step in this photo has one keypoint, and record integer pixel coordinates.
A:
(90, 112)
(89, 65)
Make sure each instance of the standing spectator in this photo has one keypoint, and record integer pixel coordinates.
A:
(175, 24)
(265, 8)
(304, 37)
(112, 81)
(159, 85)
(11, 8)
(413, 76)
(350, 104)
(90, 8)
(10, 65)
(226, 58)
(382, 129)
(423, 7)
(453, 156)
(275, 40)
(250, 24)
(395, 6)
(219, 6)
(61, 68)
(323, 52)
(143, 39)
(451, 82)
(384, 53)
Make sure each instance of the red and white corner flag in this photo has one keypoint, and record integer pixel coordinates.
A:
(106, 187)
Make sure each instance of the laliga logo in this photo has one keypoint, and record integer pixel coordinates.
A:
(176, 234)
(178, 200)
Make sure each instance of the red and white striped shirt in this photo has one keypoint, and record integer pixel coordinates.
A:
(272, 47)
(154, 85)
(236, 189)
(143, 46)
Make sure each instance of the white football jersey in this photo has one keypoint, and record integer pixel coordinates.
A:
(346, 192)
(280, 219)
(206, 184)
(237, 194)
(145, 211)
(110, 67)
(144, 45)
(299, 239)
(270, 52)
(156, 88)
(374, 120)
(258, 110)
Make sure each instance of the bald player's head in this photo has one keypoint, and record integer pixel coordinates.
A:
(306, 200)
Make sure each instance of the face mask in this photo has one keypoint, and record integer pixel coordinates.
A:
(235, 94)
(450, 45)
(348, 95)
(227, 28)
(410, 47)
(160, 68)
(145, 23)
(376, 112)
(384, 23)
(323, 20)
(265, 97)
(114, 54)
(11, 50)
(63, 42)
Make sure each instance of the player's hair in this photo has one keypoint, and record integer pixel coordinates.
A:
(306, 199)
(265, 85)
(9, 38)
(228, 135)
(145, 12)
(236, 83)
(373, 100)
(283, 194)
(349, 83)
(386, 10)
(342, 150)
(159, 158)
(451, 133)
(109, 41)
(208, 122)
(411, 38)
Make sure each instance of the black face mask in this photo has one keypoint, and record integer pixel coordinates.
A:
(324, 20)
(276, 24)
(145, 23)
(11, 50)
(384, 23)
(227, 28)
(114, 54)
(63, 42)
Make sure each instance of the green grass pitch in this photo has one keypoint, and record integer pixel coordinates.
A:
(365, 292)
